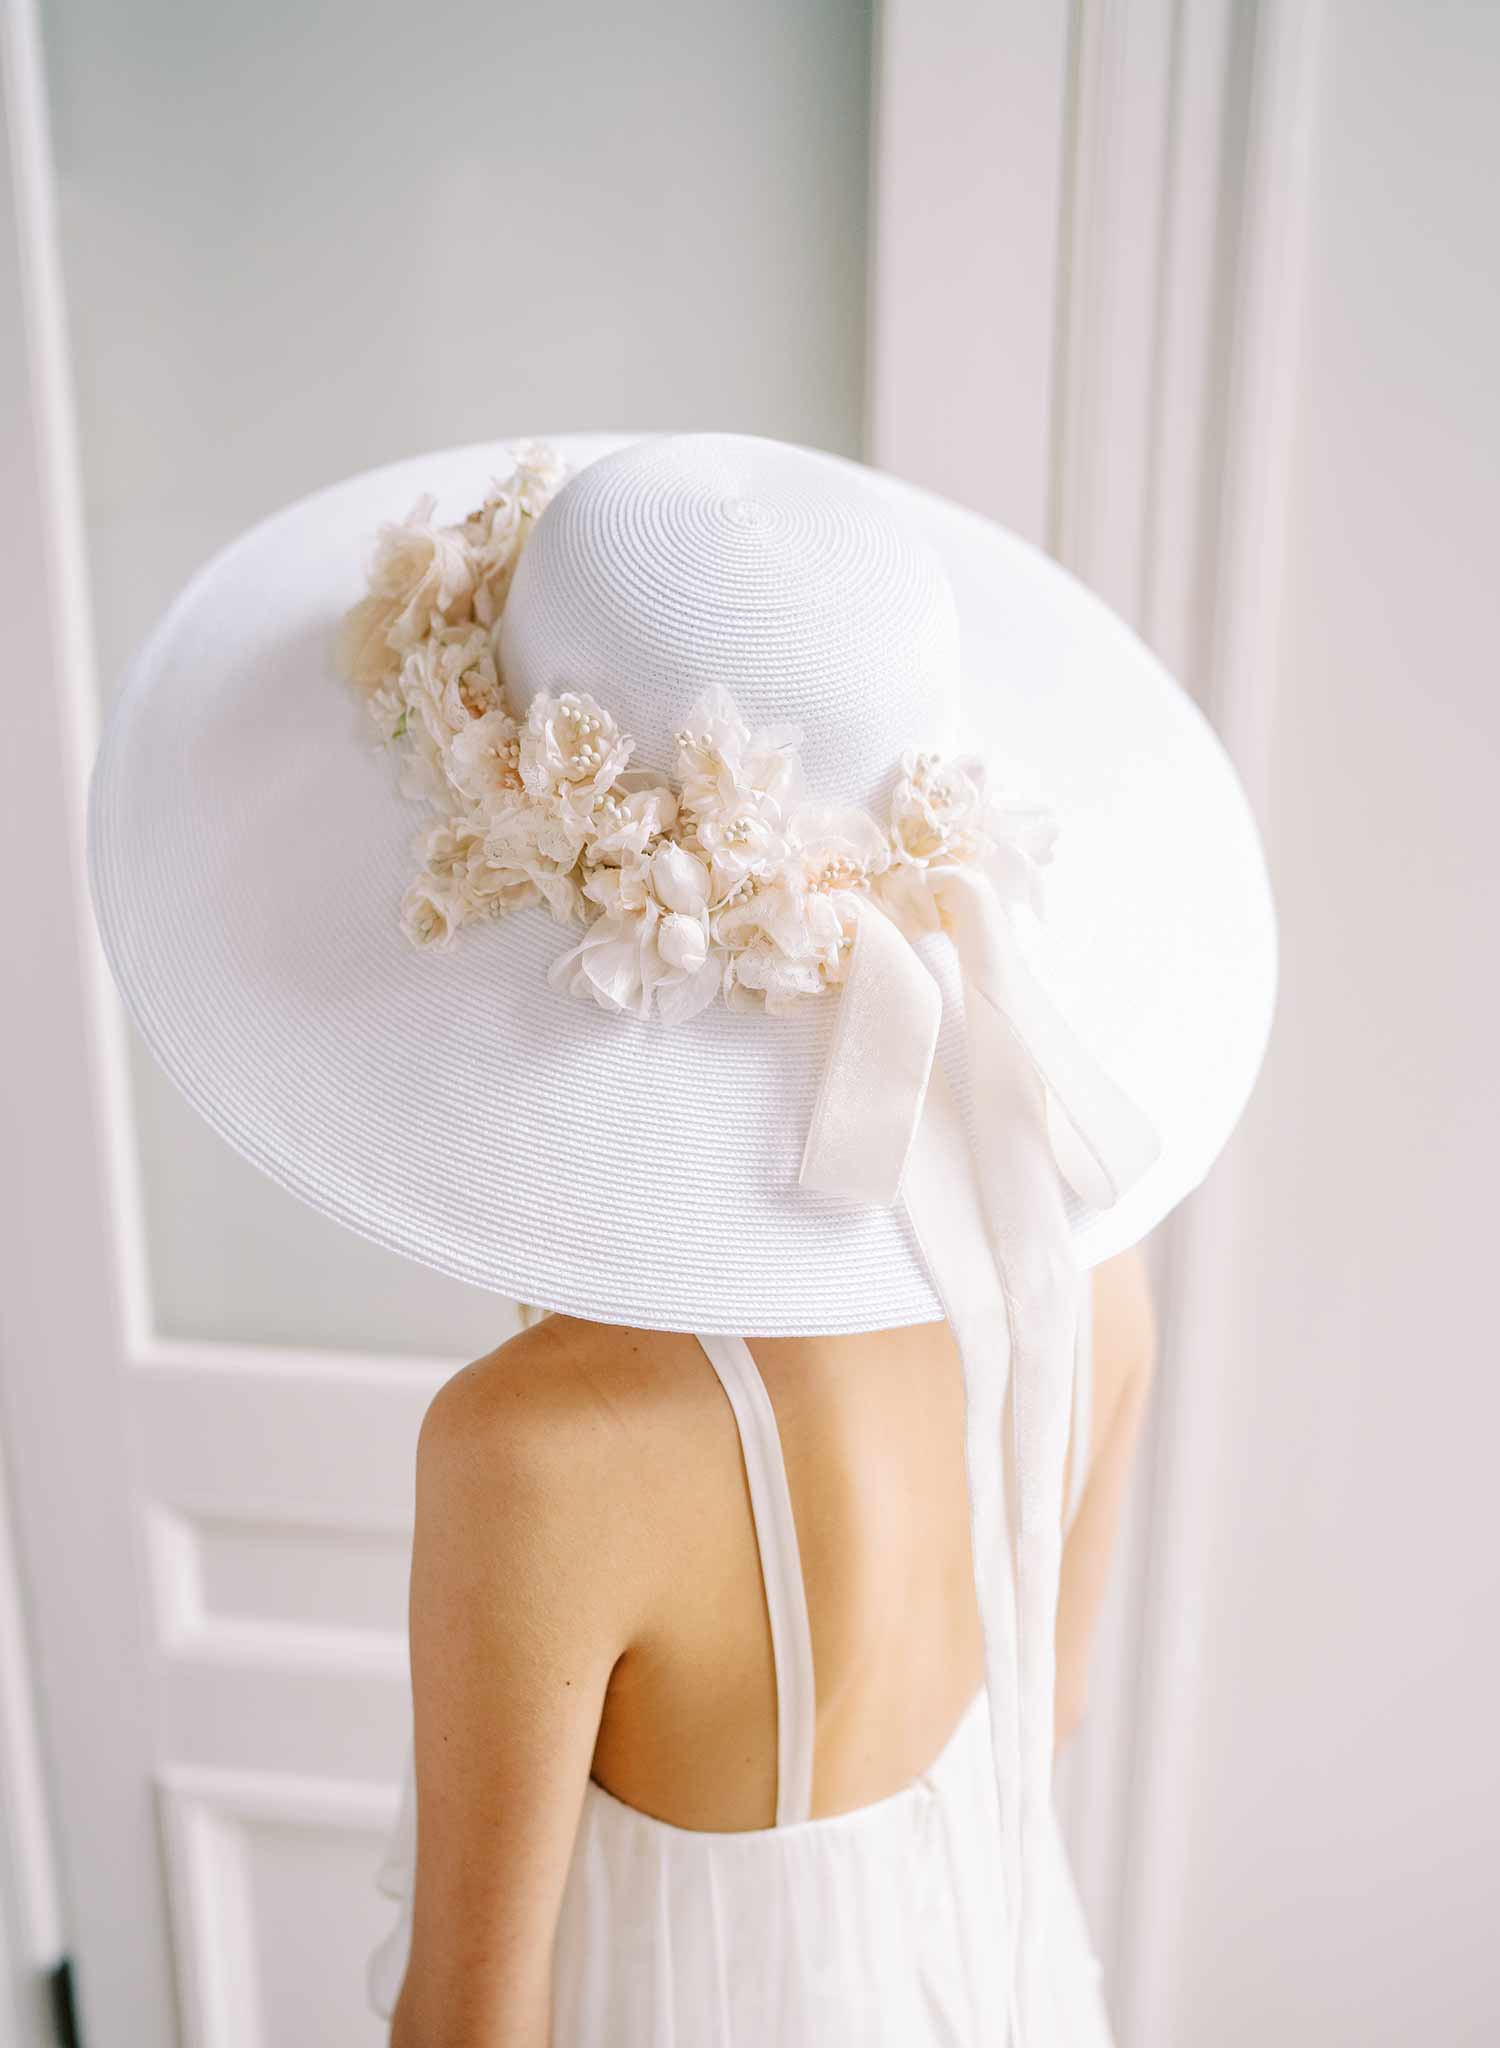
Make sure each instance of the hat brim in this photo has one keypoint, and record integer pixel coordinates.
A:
(248, 852)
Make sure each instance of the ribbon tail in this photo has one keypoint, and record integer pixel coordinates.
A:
(1101, 1141)
(875, 1082)
(942, 1203)
(992, 1227)
(987, 1205)
(1031, 1240)
(1032, 1082)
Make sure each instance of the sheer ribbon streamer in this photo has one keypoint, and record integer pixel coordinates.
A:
(989, 1213)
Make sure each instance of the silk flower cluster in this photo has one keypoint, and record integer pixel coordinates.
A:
(732, 879)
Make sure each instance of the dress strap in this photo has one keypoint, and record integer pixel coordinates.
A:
(781, 1570)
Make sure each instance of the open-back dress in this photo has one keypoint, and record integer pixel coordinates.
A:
(873, 1926)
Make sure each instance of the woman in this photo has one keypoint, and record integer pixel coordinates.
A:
(586, 1604)
(740, 1612)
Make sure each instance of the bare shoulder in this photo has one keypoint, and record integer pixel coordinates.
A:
(555, 1428)
(534, 1570)
(581, 1379)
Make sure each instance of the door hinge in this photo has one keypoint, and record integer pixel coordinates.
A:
(64, 2011)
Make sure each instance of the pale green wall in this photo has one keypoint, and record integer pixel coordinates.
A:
(302, 239)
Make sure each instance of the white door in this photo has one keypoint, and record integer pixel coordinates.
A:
(213, 1536)
(261, 248)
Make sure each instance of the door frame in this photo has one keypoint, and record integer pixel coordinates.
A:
(32, 1950)
(71, 1293)
(1101, 254)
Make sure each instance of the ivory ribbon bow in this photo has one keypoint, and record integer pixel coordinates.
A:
(987, 1206)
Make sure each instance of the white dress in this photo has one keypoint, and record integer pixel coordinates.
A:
(874, 1926)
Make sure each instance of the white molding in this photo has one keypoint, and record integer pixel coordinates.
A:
(282, 1797)
(1194, 300)
(1137, 424)
(331, 1451)
(1114, 259)
(1180, 319)
(205, 1815)
(1154, 354)
(968, 106)
(1262, 384)
(27, 1872)
(70, 1241)
(190, 1631)
(40, 407)
(174, 1575)
(293, 1648)
(381, 1372)
(1145, 269)
(1278, 62)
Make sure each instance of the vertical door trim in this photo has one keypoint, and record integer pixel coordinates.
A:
(967, 107)
(1152, 348)
(1270, 132)
(31, 1935)
(70, 1294)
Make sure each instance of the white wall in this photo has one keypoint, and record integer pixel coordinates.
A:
(1343, 1782)
(1257, 239)
(301, 241)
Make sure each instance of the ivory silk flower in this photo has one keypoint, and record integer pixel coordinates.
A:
(652, 942)
(783, 940)
(421, 574)
(735, 881)
(430, 912)
(451, 679)
(571, 751)
(789, 934)
(446, 851)
(424, 576)
(630, 817)
(527, 841)
(493, 535)
(838, 848)
(738, 787)
(937, 811)
(724, 767)
(484, 758)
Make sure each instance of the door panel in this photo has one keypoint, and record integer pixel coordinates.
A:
(278, 1565)
(272, 1907)
(213, 1394)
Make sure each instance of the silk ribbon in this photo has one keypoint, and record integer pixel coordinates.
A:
(985, 1198)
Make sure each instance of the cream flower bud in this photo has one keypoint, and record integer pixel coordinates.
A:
(682, 942)
(678, 878)
(430, 913)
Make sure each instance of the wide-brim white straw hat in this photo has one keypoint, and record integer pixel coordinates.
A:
(250, 852)
(964, 1106)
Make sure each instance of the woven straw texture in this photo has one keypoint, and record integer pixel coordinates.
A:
(249, 852)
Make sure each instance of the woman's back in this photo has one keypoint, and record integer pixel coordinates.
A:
(834, 1465)
(871, 1431)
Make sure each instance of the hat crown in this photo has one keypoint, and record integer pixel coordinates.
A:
(701, 559)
